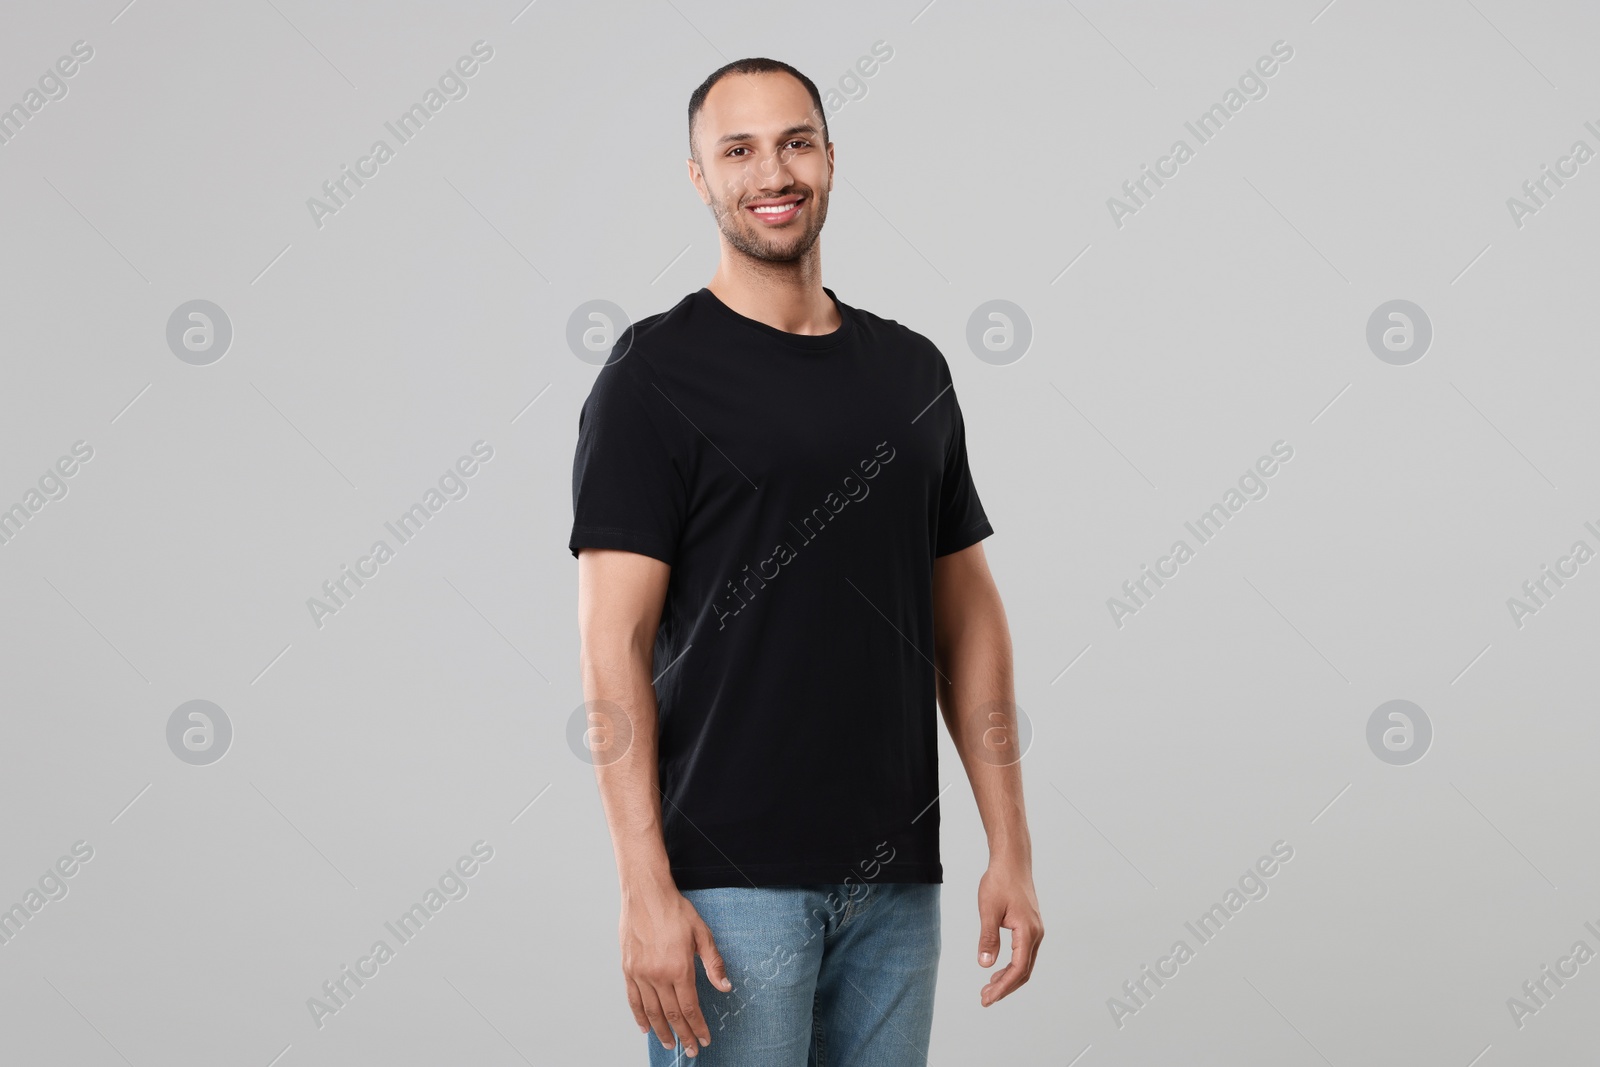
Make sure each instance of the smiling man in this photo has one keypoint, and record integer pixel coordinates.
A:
(780, 579)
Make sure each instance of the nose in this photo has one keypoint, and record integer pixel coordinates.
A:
(772, 171)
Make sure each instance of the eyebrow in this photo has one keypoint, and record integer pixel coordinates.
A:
(804, 127)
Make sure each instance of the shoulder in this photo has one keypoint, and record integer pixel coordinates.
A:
(642, 344)
(645, 347)
(894, 336)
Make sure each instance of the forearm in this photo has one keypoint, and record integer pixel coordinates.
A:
(622, 725)
(976, 694)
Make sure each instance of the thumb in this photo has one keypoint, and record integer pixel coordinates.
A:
(988, 936)
(706, 948)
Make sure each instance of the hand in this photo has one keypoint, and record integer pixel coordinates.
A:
(661, 934)
(1006, 898)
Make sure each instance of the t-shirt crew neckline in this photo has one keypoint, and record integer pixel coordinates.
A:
(794, 340)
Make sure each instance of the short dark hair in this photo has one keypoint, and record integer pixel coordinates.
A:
(753, 65)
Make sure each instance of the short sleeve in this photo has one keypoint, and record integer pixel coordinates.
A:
(962, 522)
(628, 486)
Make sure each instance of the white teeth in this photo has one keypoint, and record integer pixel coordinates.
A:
(778, 209)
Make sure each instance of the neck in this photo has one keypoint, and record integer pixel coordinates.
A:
(785, 296)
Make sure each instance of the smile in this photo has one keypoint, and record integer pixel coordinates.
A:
(775, 214)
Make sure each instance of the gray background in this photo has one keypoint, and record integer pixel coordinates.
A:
(430, 712)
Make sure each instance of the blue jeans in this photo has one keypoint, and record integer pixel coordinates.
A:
(823, 976)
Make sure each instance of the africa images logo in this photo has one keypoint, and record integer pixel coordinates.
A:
(784, 553)
(452, 886)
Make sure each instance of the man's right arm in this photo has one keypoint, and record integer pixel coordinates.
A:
(620, 598)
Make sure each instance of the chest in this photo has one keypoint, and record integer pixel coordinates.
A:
(795, 428)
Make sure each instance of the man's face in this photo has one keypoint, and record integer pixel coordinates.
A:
(760, 143)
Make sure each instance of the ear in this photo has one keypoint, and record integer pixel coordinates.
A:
(699, 181)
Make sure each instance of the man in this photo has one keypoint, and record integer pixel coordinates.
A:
(779, 574)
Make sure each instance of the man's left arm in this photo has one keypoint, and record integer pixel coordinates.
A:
(972, 654)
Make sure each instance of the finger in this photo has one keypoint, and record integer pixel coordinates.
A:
(1036, 937)
(673, 1010)
(658, 1018)
(693, 1021)
(991, 991)
(637, 1006)
(1016, 969)
(988, 936)
(716, 970)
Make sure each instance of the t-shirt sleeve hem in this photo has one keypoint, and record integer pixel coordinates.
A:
(965, 538)
(628, 540)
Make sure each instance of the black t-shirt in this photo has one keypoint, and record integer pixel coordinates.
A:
(800, 487)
